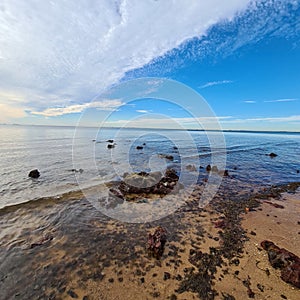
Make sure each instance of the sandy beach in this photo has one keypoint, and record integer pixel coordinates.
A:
(63, 249)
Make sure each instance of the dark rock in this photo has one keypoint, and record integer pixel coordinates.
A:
(252, 232)
(283, 296)
(167, 275)
(286, 261)
(166, 156)
(72, 294)
(110, 141)
(34, 173)
(298, 171)
(272, 154)
(144, 144)
(208, 168)
(260, 287)
(275, 204)
(226, 173)
(175, 148)
(156, 242)
(173, 297)
(235, 168)
(85, 298)
(44, 240)
(110, 146)
(139, 147)
(142, 279)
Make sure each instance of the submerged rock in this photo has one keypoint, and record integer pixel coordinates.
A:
(34, 173)
(139, 147)
(156, 242)
(286, 261)
(272, 154)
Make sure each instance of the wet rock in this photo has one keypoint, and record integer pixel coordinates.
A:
(110, 146)
(191, 168)
(175, 148)
(214, 169)
(208, 168)
(72, 294)
(44, 240)
(298, 171)
(77, 171)
(272, 154)
(226, 173)
(286, 261)
(139, 147)
(166, 156)
(34, 173)
(110, 141)
(156, 242)
(135, 185)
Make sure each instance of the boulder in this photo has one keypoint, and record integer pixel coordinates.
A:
(286, 261)
(110, 146)
(34, 173)
(139, 147)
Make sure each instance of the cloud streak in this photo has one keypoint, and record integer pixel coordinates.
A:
(213, 83)
(282, 100)
(106, 105)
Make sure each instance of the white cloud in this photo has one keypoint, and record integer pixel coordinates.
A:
(282, 100)
(142, 111)
(212, 83)
(249, 101)
(57, 53)
(109, 105)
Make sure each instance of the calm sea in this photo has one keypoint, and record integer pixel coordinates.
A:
(65, 156)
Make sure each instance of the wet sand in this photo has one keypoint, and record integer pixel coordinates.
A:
(65, 249)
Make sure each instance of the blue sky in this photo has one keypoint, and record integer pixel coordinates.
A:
(59, 60)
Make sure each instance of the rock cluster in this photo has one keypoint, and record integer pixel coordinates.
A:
(145, 183)
(286, 261)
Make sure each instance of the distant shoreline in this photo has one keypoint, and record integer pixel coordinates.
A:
(172, 129)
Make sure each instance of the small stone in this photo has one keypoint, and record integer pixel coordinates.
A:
(111, 280)
(142, 280)
(34, 173)
(252, 232)
(272, 155)
(283, 296)
(72, 294)
(167, 275)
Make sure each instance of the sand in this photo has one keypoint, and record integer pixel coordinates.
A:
(101, 258)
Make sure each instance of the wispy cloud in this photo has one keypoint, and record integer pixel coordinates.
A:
(282, 100)
(212, 83)
(144, 111)
(107, 105)
(249, 101)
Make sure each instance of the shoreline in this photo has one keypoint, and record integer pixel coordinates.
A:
(66, 249)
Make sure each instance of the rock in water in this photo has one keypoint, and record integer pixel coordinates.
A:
(156, 242)
(273, 154)
(34, 173)
(286, 261)
(139, 147)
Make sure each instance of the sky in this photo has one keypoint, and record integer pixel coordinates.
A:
(65, 62)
